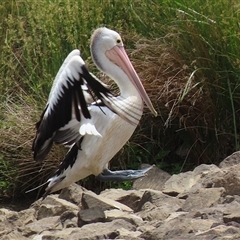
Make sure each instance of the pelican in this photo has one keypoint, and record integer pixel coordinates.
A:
(83, 113)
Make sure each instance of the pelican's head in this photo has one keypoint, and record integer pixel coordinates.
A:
(103, 40)
(108, 44)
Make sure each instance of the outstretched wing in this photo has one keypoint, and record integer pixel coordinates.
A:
(67, 117)
(67, 104)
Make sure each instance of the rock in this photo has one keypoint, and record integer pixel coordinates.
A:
(229, 232)
(126, 234)
(49, 223)
(147, 227)
(129, 198)
(154, 179)
(10, 220)
(90, 215)
(159, 199)
(228, 208)
(218, 212)
(232, 223)
(107, 230)
(183, 182)
(208, 213)
(229, 178)
(7, 220)
(90, 200)
(233, 217)
(205, 197)
(178, 228)
(14, 235)
(176, 215)
(118, 214)
(179, 183)
(155, 205)
(229, 199)
(157, 213)
(26, 216)
(205, 169)
(73, 193)
(54, 206)
(231, 160)
(38, 237)
(69, 219)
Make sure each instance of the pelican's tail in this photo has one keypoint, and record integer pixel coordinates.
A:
(53, 182)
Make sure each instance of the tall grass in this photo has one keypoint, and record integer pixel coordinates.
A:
(187, 54)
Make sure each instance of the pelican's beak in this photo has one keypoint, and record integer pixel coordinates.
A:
(119, 56)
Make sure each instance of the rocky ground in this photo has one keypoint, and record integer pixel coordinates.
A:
(200, 204)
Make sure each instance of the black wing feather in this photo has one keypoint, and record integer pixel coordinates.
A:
(82, 102)
(76, 106)
(97, 87)
(70, 157)
(58, 117)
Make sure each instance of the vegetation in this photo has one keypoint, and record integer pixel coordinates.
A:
(187, 54)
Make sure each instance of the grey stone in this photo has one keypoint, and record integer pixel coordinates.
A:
(91, 215)
(73, 193)
(129, 198)
(231, 160)
(205, 197)
(69, 219)
(154, 179)
(14, 235)
(183, 182)
(159, 199)
(229, 178)
(178, 228)
(118, 214)
(49, 223)
(54, 206)
(223, 231)
(90, 200)
(107, 230)
(233, 217)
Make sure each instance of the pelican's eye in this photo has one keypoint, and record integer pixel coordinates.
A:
(119, 41)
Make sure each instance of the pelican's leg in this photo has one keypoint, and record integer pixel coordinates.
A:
(122, 175)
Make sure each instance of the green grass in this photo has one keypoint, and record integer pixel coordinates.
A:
(187, 54)
(7, 171)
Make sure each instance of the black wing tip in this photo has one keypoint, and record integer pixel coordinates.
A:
(40, 154)
(47, 192)
(37, 157)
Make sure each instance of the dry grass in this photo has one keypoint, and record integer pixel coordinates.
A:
(17, 135)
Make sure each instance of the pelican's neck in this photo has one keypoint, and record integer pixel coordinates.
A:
(134, 104)
(126, 87)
